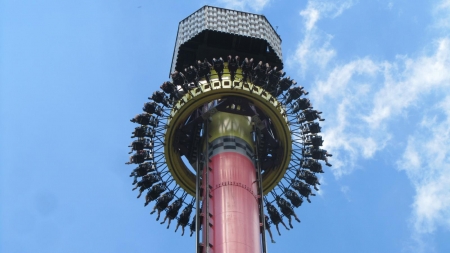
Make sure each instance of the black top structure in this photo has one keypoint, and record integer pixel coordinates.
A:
(217, 32)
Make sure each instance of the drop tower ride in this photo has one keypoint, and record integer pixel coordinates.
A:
(229, 136)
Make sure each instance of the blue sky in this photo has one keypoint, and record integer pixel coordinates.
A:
(72, 74)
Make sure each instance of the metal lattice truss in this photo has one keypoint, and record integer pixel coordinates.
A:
(168, 153)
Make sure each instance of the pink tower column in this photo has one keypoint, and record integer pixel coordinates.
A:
(233, 205)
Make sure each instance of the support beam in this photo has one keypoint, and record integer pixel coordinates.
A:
(233, 204)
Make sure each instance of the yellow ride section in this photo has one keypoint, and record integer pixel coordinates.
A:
(206, 93)
(229, 124)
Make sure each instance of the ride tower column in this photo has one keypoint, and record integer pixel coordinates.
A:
(232, 211)
(220, 146)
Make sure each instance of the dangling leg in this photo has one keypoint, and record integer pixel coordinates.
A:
(159, 212)
(295, 216)
(140, 192)
(168, 225)
(290, 221)
(270, 234)
(162, 222)
(282, 222)
(276, 225)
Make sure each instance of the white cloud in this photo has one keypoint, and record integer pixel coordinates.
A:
(255, 5)
(363, 100)
(311, 16)
(315, 47)
(361, 97)
(339, 78)
(403, 86)
(426, 161)
(317, 9)
(313, 50)
(442, 14)
(343, 96)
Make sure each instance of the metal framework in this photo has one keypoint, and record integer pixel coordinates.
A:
(228, 142)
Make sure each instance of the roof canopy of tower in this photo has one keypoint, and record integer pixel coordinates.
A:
(213, 32)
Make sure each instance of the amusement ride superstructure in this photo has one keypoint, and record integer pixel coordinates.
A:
(228, 136)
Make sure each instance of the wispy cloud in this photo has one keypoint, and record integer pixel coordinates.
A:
(362, 96)
(343, 95)
(346, 190)
(365, 99)
(315, 10)
(409, 79)
(315, 48)
(442, 15)
(426, 161)
(244, 5)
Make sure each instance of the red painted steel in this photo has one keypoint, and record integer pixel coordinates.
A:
(234, 207)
